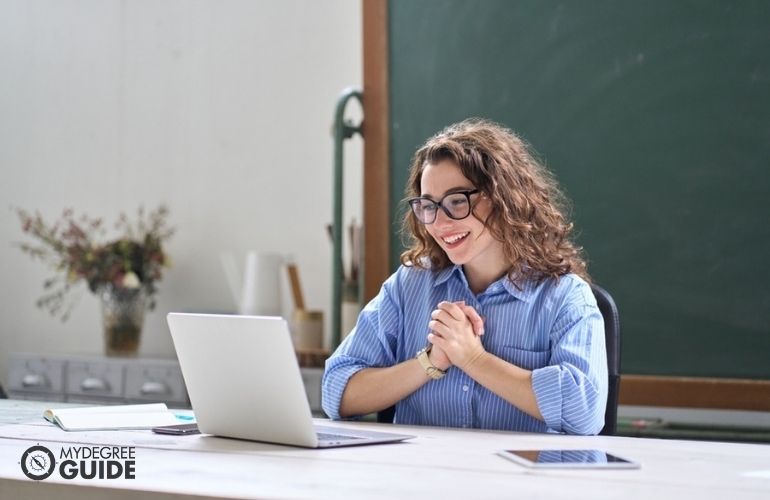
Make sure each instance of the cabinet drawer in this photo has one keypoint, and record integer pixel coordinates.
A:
(94, 379)
(156, 382)
(34, 374)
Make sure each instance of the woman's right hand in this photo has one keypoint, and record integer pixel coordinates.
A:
(438, 358)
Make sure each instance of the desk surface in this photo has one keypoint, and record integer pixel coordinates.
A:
(438, 463)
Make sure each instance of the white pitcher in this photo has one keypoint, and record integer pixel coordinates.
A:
(259, 291)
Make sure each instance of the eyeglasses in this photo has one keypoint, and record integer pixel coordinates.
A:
(456, 205)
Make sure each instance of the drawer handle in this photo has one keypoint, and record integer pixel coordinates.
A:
(151, 388)
(34, 380)
(94, 384)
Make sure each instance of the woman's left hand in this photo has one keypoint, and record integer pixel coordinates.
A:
(453, 332)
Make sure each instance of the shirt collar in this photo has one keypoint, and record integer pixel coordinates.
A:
(525, 294)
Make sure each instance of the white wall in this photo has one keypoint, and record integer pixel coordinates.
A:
(222, 109)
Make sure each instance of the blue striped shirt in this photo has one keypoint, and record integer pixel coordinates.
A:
(555, 330)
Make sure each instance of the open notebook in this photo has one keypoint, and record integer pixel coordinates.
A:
(244, 382)
(140, 416)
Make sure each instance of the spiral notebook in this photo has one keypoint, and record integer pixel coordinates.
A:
(244, 382)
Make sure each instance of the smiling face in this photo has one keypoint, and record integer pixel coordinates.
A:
(527, 233)
(466, 242)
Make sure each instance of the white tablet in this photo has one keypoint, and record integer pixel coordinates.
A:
(590, 459)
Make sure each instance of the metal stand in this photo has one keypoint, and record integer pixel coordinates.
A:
(342, 130)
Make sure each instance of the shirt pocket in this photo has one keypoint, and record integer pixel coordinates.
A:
(529, 360)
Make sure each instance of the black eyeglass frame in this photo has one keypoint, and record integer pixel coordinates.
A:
(440, 203)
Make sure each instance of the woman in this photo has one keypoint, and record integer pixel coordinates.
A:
(490, 321)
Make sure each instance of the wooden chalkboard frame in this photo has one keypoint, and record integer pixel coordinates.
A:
(376, 177)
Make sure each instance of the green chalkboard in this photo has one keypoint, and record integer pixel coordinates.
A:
(655, 116)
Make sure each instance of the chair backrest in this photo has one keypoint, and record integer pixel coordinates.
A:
(612, 339)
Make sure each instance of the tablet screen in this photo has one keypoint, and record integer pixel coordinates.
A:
(568, 458)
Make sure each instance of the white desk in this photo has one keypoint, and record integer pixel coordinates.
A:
(438, 464)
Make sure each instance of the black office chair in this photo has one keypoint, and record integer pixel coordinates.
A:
(612, 339)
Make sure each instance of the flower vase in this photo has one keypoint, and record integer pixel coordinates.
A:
(123, 319)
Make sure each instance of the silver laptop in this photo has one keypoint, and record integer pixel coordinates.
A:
(244, 382)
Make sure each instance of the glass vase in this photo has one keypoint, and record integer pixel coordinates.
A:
(123, 319)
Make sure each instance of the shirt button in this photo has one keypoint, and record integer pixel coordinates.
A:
(465, 388)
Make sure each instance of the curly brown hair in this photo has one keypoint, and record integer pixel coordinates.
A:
(529, 210)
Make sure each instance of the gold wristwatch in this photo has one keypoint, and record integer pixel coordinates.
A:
(432, 371)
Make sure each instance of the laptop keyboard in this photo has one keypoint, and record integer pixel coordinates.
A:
(323, 436)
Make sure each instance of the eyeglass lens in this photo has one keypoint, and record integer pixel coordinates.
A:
(455, 205)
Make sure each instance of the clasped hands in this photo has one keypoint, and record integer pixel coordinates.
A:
(455, 335)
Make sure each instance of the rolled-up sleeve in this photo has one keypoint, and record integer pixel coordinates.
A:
(572, 390)
(339, 369)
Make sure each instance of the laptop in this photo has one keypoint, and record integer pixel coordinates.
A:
(244, 382)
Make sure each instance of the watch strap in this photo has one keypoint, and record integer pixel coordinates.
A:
(430, 370)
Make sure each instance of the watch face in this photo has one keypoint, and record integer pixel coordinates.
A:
(38, 463)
